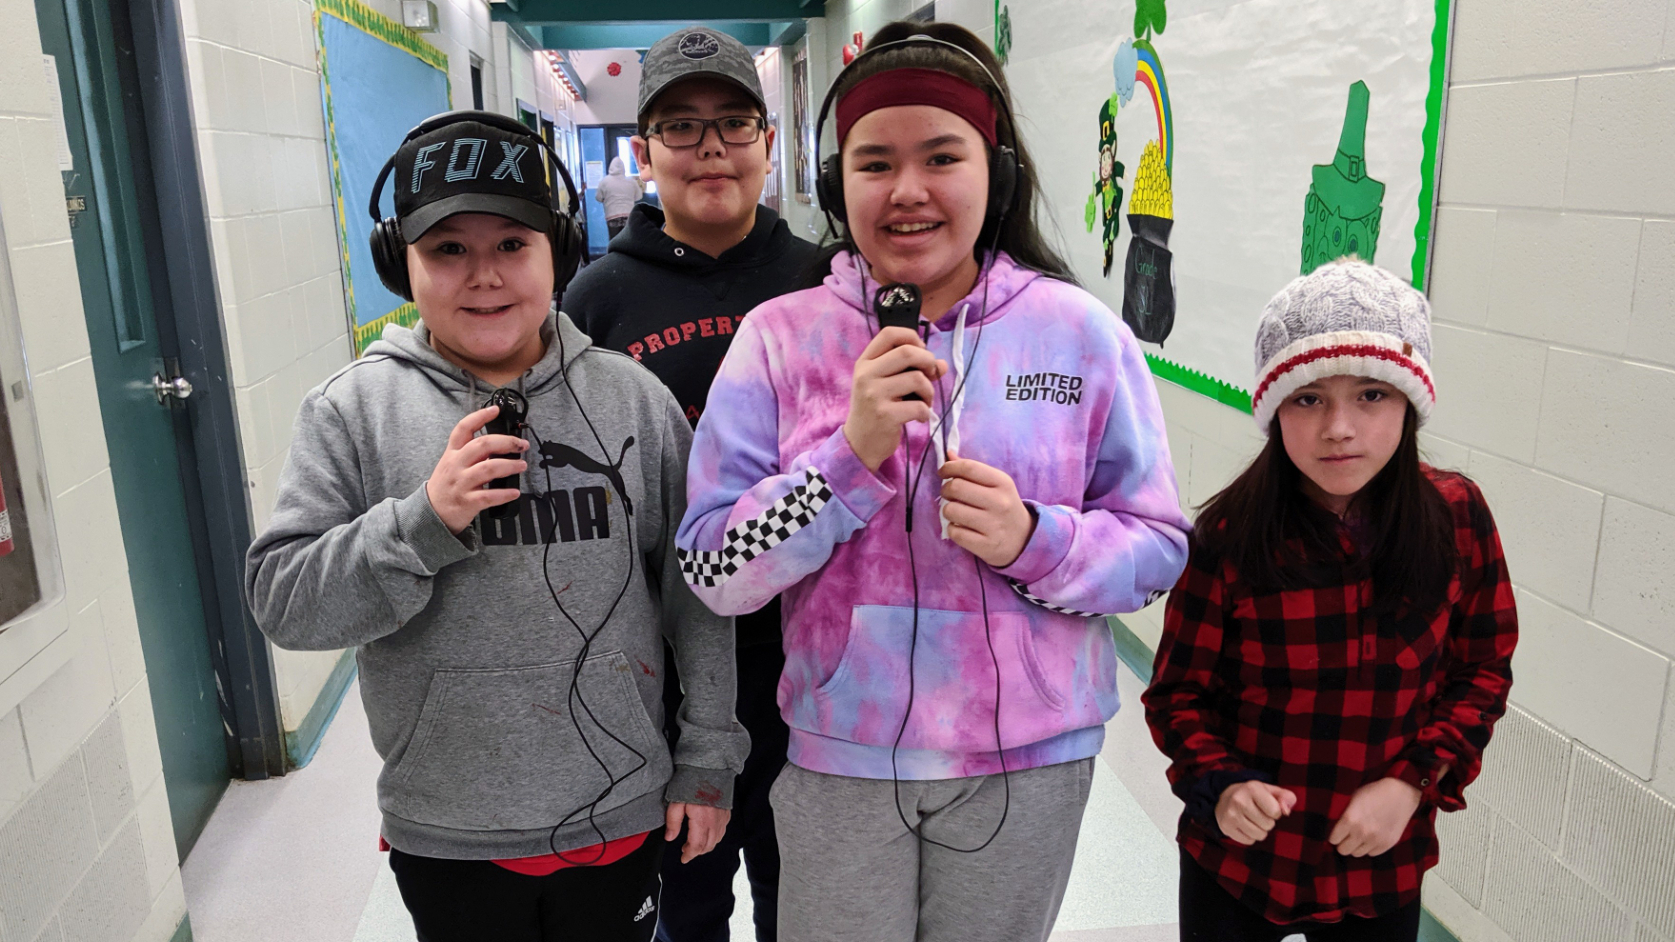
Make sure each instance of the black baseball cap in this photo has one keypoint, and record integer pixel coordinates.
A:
(697, 51)
(471, 167)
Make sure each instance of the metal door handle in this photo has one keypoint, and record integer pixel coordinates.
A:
(177, 388)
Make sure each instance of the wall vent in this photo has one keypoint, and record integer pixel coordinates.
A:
(1537, 899)
(1525, 771)
(1621, 838)
(1464, 836)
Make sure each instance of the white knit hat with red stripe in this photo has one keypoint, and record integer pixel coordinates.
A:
(1346, 318)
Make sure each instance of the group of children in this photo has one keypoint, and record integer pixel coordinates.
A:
(706, 561)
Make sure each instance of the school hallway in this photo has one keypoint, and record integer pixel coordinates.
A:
(297, 857)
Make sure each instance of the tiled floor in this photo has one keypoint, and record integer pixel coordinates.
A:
(296, 857)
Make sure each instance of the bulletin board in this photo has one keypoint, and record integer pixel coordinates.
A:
(1202, 153)
(378, 80)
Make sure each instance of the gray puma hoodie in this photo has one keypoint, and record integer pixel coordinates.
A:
(467, 662)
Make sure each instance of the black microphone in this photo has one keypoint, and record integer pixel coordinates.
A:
(897, 305)
(513, 408)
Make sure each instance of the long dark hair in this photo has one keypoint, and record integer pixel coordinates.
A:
(1019, 235)
(1276, 536)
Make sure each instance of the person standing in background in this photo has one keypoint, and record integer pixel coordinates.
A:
(671, 293)
(618, 192)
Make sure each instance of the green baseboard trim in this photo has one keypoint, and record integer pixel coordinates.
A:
(1139, 657)
(183, 932)
(1134, 652)
(304, 741)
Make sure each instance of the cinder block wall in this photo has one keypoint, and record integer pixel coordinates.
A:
(86, 845)
(1554, 294)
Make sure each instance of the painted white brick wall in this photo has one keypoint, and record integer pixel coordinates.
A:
(81, 857)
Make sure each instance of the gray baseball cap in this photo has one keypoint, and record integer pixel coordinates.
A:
(697, 51)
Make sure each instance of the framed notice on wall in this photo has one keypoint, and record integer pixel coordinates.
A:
(1202, 154)
(804, 148)
(29, 570)
(378, 80)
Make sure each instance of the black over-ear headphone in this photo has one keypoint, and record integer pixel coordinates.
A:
(389, 249)
(1003, 162)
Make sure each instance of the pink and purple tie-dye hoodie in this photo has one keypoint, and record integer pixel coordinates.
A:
(1058, 396)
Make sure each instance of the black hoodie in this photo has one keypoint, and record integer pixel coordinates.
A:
(674, 309)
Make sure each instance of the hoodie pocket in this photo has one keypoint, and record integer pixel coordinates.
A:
(953, 684)
(499, 750)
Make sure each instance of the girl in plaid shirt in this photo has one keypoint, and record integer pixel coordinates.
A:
(1338, 649)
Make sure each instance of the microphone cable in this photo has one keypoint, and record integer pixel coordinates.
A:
(911, 486)
(573, 696)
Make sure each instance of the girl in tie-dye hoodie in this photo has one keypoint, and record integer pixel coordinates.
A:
(945, 561)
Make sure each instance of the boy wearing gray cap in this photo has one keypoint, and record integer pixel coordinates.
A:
(670, 293)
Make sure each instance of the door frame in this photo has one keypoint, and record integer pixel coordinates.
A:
(211, 461)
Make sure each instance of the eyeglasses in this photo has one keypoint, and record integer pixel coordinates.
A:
(687, 132)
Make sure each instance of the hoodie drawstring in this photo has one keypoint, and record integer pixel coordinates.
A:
(949, 422)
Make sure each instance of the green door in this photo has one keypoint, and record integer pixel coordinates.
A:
(111, 201)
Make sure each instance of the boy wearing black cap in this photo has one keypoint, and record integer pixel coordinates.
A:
(473, 573)
(670, 293)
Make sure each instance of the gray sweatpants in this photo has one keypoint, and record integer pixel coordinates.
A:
(850, 872)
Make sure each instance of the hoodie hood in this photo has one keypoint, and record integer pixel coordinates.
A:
(853, 282)
(645, 239)
(617, 167)
(412, 344)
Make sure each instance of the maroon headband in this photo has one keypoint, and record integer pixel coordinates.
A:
(917, 87)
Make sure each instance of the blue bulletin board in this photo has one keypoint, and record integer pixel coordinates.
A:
(377, 80)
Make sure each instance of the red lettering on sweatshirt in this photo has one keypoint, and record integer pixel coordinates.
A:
(635, 349)
(723, 325)
(687, 330)
(671, 336)
(706, 327)
(653, 344)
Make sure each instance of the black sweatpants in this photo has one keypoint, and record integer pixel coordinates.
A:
(698, 896)
(1211, 914)
(473, 900)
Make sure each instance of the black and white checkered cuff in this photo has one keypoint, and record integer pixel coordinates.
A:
(1023, 590)
(753, 537)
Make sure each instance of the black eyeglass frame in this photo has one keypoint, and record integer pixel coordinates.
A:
(758, 122)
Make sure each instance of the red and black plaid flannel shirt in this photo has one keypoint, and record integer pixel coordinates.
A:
(1301, 689)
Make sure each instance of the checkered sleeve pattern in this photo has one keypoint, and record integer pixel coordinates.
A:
(1023, 590)
(751, 538)
(1306, 688)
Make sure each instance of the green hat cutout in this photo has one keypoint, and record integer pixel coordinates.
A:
(1342, 211)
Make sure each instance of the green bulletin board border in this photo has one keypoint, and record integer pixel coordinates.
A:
(1422, 230)
(381, 27)
(1201, 383)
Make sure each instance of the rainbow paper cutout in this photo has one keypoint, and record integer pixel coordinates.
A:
(1150, 74)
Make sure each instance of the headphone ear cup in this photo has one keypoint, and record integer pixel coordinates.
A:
(389, 257)
(567, 243)
(828, 186)
(1003, 180)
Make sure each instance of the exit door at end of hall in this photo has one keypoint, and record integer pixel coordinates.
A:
(600, 144)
